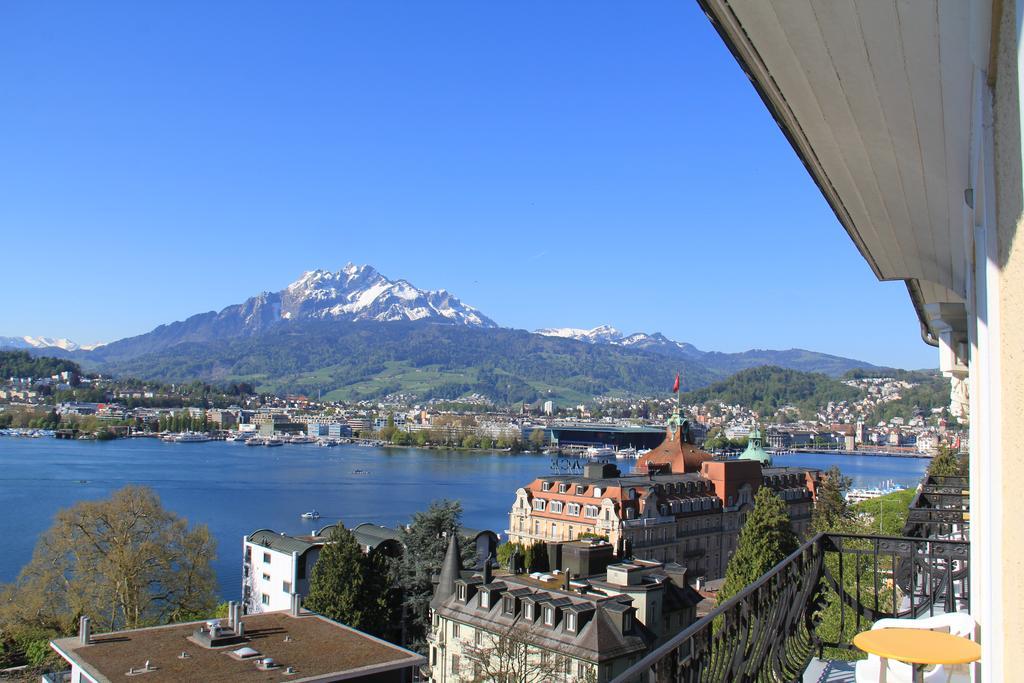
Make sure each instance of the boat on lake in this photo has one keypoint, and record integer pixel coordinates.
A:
(312, 514)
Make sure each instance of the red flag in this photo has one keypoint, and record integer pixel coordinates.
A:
(675, 387)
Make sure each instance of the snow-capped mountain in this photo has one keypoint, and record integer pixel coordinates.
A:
(606, 334)
(602, 334)
(29, 342)
(352, 294)
(361, 293)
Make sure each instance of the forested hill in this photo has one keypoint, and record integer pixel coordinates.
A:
(356, 360)
(24, 364)
(768, 388)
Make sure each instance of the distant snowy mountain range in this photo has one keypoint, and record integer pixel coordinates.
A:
(273, 335)
(28, 342)
(606, 334)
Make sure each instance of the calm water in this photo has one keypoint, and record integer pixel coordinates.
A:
(236, 490)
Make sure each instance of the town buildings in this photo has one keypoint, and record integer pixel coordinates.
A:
(681, 504)
(585, 622)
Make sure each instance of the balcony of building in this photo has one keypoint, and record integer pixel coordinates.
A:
(797, 621)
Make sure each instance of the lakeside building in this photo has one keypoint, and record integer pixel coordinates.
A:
(680, 505)
(586, 622)
(285, 645)
(277, 567)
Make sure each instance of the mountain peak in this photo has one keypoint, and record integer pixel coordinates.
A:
(360, 292)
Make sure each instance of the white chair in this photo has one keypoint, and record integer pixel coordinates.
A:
(956, 623)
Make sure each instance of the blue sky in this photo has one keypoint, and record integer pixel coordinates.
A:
(553, 164)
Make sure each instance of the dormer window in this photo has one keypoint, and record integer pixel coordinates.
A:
(627, 622)
(562, 488)
(580, 490)
(549, 616)
(461, 592)
(508, 605)
(556, 506)
(573, 509)
(528, 611)
(590, 511)
(570, 621)
(538, 504)
(545, 486)
(485, 598)
(597, 492)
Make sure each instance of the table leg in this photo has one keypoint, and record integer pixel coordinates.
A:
(917, 671)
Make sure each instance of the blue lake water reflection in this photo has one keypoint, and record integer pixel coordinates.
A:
(236, 490)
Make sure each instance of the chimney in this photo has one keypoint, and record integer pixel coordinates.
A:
(486, 573)
(296, 604)
(240, 629)
(566, 580)
(85, 630)
(231, 614)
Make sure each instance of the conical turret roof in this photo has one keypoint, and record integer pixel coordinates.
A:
(451, 569)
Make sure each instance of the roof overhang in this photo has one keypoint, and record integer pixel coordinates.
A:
(876, 97)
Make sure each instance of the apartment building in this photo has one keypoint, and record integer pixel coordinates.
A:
(680, 505)
(555, 627)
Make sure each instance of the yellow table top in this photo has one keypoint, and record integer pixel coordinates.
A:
(918, 646)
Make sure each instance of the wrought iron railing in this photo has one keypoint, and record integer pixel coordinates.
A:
(817, 599)
(940, 509)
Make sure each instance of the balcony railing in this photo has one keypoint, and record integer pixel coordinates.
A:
(940, 509)
(812, 603)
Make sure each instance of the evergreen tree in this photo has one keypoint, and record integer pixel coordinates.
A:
(765, 540)
(425, 541)
(341, 587)
(948, 464)
(830, 510)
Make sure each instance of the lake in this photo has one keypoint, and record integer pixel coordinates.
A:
(236, 490)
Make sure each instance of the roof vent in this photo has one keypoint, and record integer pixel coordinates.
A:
(184, 655)
(268, 663)
(290, 670)
(245, 653)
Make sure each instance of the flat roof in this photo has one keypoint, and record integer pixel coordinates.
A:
(319, 649)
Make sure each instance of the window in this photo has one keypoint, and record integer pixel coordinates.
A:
(627, 622)
(545, 486)
(248, 553)
(266, 577)
(528, 611)
(266, 558)
(538, 503)
(455, 664)
(300, 568)
(478, 637)
(462, 592)
(597, 492)
(582, 670)
(556, 506)
(286, 586)
(570, 621)
(485, 598)
(554, 530)
(264, 598)
(455, 630)
(580, 490)
(549, 616)
(509, 604)
(590, 511)
(573, 509)
(563, 487)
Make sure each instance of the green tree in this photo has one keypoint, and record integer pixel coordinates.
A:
(830, 509)
(125, 562)
(343, 586)
(948, 464)
(537, 440)
(765, 540)
(426, 541)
